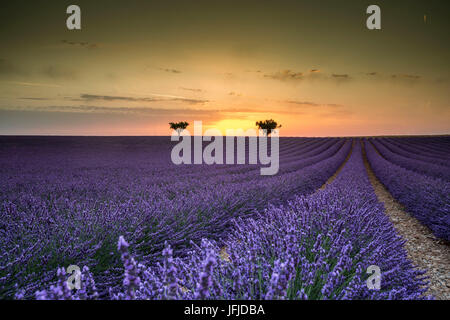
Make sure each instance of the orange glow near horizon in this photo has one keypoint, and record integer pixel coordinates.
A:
(232, 124)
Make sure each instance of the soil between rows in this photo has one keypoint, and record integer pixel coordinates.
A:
(424, 249)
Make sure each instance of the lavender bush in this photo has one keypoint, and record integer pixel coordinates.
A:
(314, 247)
(67, 200)
(425, 198)
(391, 153)
(415, 151)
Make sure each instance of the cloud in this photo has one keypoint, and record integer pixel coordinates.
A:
(310, 75)
(143, 111)
(140, 112)
(340, 76)
(285, 75)
(406, 79)
(170, 70)
(33, 84)
(397, 76)
(191, 89)
(87, 45)
(405, 76)
(313, 104)
(317, 74)
(33, 98)
(303, 103)
(115, 98)
(90, 97)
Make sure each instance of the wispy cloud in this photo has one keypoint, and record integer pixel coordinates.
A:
(406, 76)
(313, 104)
(32, 84)
(399, 78)
(114, 98)
(36, 99)
(179, 112)
(317, 75)
(314, 74)
(303, 103)
(81, 44)
(186, 113)
(90, 97)
(170, 70)
(285, 75)
(340, 76)
(191, 89)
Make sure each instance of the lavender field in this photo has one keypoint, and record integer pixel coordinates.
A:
(141, 227)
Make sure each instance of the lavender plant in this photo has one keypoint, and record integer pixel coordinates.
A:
(391, 153)
(66, 201)
(316, 246)
(425, 198)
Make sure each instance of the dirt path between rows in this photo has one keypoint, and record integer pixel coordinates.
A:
(330, 179)
(424, 249)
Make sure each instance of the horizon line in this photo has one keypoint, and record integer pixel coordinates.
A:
(168, 136)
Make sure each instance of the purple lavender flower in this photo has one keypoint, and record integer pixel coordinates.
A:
(205, 284)
(131, 279)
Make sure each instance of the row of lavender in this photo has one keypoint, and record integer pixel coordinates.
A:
(434, 168)
(426, 197)
(416, 150)
(315, 247)
(65, 201)
(437, 146)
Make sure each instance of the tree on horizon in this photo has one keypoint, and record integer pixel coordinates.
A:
(178, 126)
(268, 126)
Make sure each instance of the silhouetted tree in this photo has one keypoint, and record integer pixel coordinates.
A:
(178, 126)
(268, 125)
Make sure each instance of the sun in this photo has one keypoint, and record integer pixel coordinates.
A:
(226, 124)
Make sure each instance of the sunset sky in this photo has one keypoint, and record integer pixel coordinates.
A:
(311, 65)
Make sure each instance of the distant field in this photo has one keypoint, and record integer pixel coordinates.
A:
(214, 231)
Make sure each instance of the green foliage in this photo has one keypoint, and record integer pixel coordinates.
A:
(178, 126)
(268, 125)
